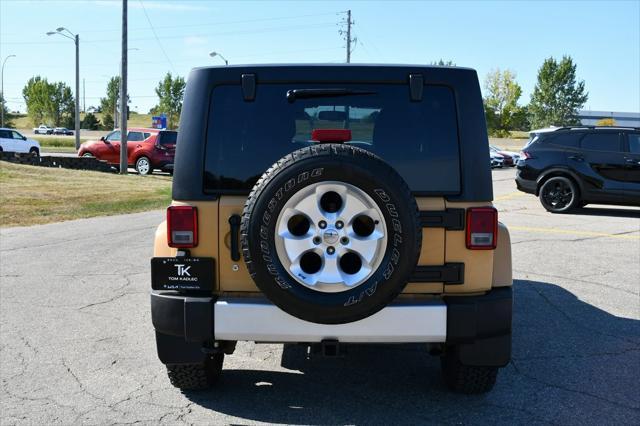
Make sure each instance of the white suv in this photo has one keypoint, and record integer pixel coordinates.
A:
(12, 141)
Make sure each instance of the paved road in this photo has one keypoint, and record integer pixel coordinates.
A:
(77, 343)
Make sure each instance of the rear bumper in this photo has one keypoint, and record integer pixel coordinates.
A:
(260, 321)
(526, 185)
(479, 327)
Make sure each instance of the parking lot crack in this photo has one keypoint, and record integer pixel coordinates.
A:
(578, 323)
(567, 389)
(577, 356)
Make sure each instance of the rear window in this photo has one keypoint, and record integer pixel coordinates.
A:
(168, 138)
(419, 139)
(564, 138)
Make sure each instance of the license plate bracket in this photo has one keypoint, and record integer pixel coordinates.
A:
(182, 273)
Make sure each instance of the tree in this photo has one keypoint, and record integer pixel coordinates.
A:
(90, 122)
(7, 115)
(109, 102)
(501, 101)
(50, 102)
(37, 94)
(442, 63)
(557, 96)
(170, 93)
(62, 105)
(606, 122)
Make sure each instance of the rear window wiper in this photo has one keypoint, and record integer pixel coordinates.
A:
(294, 94)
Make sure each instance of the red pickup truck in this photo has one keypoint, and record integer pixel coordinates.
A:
(147, 149)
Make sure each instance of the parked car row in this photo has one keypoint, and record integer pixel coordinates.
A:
(147, 149)
(46, 130)
(12, 141)
(502, 158)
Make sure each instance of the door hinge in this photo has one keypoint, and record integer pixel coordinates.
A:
(450, 219)
(449, 273)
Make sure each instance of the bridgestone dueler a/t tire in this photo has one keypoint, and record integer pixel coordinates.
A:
(196, 376)
(308, 166)
(467, 379)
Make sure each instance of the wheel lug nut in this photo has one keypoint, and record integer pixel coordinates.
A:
(339, 224)
(322, 224)
(331, 250)
(317, 240)
(344, 240)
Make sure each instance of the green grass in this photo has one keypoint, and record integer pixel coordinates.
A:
(57, 149)
(56, 142)
(518, 134)
(32, 195)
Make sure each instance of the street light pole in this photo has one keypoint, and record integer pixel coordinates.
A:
(2, 89)
(214, 54)
(76, 40)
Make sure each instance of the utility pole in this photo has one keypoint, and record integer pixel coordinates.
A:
(84, 99)
(123, 94)
(347, 34)
(77, 120)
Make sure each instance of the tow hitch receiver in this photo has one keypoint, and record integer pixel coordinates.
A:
(331, 349)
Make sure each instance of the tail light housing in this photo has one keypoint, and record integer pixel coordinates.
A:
(525, 155)
(482, 228)
(182, 226)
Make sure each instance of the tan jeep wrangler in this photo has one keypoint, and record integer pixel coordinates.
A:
(332, 205)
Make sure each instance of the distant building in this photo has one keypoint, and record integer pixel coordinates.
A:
(623, 119)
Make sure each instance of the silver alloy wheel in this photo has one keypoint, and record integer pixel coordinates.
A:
(331, 236)
(142, 165)
(87, 155)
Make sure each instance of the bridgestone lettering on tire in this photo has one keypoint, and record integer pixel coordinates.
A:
(331, 234)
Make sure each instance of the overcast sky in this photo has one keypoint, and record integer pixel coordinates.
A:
(602, 37)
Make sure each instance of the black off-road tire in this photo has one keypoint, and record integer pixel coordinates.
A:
(196, 376)
(467, 379)
(317, 164)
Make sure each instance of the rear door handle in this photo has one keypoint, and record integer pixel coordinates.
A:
(234, 222)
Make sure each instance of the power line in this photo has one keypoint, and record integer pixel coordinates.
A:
(156, 36)
(205, 34)
(245, 21)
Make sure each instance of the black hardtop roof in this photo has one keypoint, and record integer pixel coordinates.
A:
(395, 73)
(331, 65)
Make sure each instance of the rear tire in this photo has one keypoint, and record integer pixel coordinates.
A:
(467, 379)
(143, 166)
(559, 194)
(196, 376)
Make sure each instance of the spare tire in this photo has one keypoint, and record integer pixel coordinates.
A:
(331, 233)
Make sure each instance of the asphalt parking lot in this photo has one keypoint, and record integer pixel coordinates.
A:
(76, 342)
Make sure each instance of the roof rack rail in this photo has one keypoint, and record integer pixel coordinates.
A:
(596, 127)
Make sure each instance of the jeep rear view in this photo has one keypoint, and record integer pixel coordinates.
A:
(331, 205)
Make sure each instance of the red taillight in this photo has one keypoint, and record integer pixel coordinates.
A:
(182, 226)
(482, 228)
(525, 155)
